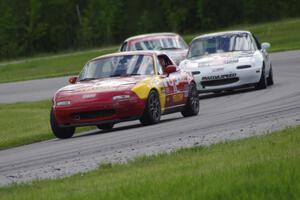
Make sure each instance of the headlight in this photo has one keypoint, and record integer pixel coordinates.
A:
(63, 103)
(121, 97)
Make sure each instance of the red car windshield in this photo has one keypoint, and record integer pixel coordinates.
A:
(126, 65)
(158, 44)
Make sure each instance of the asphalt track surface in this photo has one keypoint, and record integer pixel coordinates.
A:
(33, 90)
(222, 117)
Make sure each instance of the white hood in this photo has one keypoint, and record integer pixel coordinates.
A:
(216, 59)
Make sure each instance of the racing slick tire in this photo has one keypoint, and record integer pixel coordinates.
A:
(58, 131)
(152, 112)
(270, 79)
(106, 127)
(193, 105)
(262, 84)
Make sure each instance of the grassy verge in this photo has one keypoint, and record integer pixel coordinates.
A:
(265, 167)
(48, 66)
(25, 123)
(283, 35)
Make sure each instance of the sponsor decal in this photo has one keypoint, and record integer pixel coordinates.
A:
(155, 82)
(218, 77)
(186, 91)
(88, 96)
(168, 100)
(163, 90)
(100, 88)
(218, 69)
(231, 60)
(177, 98)
(168, 90)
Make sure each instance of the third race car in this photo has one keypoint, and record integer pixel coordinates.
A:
(171, 44)
(228, 60)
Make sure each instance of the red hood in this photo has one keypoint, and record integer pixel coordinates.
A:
(103, 85)
(101, 89)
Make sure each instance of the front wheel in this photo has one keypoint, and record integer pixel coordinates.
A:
(270, 79)
(193, 105)
(262, 84)
(58, 131)
(152, 112)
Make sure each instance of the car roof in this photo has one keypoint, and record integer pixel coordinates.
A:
(221, 33)
(148, 52)
(143, 36)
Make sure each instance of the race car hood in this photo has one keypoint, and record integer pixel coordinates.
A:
(105, 85)
(217, 59)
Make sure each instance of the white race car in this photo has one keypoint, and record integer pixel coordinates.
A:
(228, 60)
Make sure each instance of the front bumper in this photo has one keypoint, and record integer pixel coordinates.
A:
(95, 113)
(226, 78)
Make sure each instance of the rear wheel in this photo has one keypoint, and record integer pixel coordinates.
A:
(270, 80)
(106, 127)
(152, 112)
(193, 105)
(262, 84)
(58, 131)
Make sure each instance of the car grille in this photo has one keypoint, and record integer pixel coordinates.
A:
(219, 82)
(93, 114)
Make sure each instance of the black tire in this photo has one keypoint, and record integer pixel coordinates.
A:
(58, 131)
(270, 79)
(152, 112)
(262, 84)
(193, 105)
(106, 127)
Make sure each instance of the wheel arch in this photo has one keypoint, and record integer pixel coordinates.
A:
(143, 89)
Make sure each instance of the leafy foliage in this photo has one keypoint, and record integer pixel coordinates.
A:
(35, 26)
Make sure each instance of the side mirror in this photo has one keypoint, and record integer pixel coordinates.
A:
(265, 45)
(72, 79)
(171, 69)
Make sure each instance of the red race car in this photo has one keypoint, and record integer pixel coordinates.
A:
(120, 87)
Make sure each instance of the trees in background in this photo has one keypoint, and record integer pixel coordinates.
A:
(34, 26)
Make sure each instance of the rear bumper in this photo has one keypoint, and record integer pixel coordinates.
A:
(99, 112)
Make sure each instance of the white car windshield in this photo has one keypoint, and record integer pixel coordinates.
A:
(126, 65)
(220, 43)
(162, 43)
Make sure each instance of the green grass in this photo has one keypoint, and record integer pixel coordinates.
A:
(283, 35)
(265, 167)
(48, 66)
(25, 123)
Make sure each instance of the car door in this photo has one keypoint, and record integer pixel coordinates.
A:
(175, 85)
(180, 88)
